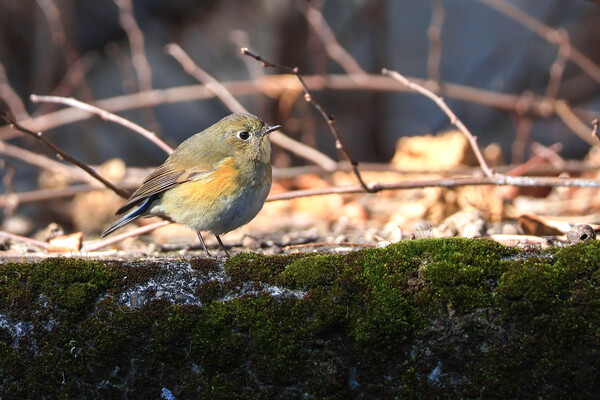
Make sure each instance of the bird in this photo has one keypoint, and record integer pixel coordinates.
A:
(216, 180)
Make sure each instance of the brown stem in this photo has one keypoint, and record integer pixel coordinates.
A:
(546, 32)
(333, 48)
(319, 107)
(64, 156)
(12, 99)
(92, 246)
(231, 102)
(44, 162)
(24, 239)
(105, 115)
(454, 121)
(434, 34)
(495, 180)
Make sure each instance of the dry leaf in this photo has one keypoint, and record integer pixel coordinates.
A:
(66, 243)
(441, 152)
(531, 224)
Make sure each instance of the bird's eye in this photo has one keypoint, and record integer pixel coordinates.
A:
(243, 135)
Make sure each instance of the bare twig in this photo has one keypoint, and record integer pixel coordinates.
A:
(525, 167)
(56, 27)
(105, 115)
(62, 155)
(7, 179)
(534, 168)
(310, 98)
(139, 58)
(558, 66)
(136, 41)
(522, 136)
(453, 118)
(573, 122)
(537, 106)
(231, 102)
(96, 245)
(44, 162)
(522, 169)
(550, 154)
(548, 33)
(434, 34)
(204, 77)
(495, 180)
(24, 239)
(332, 46)
(12, 99)
(14, 199)
(60, 39)
(74, 77)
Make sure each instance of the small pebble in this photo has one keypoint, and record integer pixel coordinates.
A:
(580, 233)
(250, 242)
(273, 251)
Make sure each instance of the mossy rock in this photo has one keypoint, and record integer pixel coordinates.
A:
(452, 318)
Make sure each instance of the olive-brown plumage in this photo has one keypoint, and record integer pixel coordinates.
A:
(216, 180)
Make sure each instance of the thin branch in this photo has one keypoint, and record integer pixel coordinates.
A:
(139, 59)
(454, 121)
(62, 155)
(204, 77)
(572, 121)
(275, 84)
(434, 34)
(534, 161)
(231, 102)
(558, 66)
(339, 144)
(74, 76)
(534, 168)
(60, 39)
(105, 115)
(550, 154)
(44, 162)
(96, 245)
(136, 41)
(7, 181)
(10, 97)
(333, 48)
(495, 180)
(57, 31)
(24, 239)
(546, 32)
(14, 199)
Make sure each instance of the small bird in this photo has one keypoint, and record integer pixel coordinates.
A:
(216, 180)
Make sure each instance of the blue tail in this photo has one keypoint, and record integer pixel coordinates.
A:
(135, 213)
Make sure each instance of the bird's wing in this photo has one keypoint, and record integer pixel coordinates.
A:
(162, 178)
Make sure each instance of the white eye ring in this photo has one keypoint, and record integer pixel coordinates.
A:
(244, 135)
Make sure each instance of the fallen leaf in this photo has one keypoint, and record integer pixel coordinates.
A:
(66, 243)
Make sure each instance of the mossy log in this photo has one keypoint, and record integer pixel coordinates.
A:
(450, 318)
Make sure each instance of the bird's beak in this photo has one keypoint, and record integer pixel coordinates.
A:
(271, 129)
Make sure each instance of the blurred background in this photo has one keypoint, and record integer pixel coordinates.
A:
(498, 71)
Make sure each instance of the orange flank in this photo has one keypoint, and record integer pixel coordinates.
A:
(218, 184)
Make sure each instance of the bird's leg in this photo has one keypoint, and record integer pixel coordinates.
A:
(222, 246)
(203, 245)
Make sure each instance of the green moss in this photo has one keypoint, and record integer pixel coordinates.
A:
(205, 265)
(257, 267)
(211, 291)
(420, 319)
